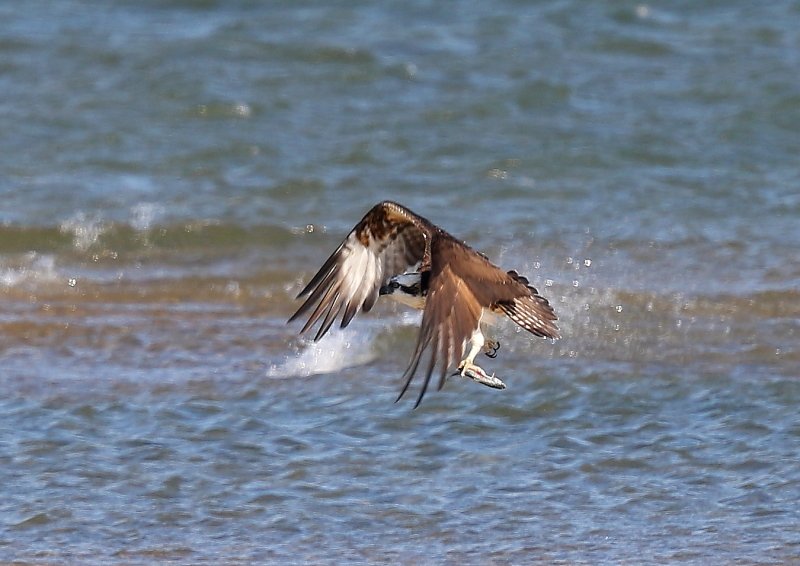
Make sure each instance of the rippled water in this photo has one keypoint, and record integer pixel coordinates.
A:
(172, 172)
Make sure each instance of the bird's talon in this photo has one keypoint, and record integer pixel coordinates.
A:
(492, 346)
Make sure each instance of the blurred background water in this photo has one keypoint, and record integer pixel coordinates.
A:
(171, 172)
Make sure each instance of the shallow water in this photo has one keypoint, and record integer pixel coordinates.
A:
(172, 173)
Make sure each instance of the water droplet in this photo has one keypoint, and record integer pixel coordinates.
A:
(242, 110)
(309, 228)
(570, 260)
(618, 308)
(536, 265)
(232, 288)
(548, 282)
(72, 282)
(575, 283)
(587, 262)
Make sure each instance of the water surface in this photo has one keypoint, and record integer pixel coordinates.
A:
(171, 173)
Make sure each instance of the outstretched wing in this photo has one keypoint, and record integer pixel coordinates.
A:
(462, 283)
(388, 241)
(531, 311)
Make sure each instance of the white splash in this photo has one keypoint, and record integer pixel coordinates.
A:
(410, 318)
(144, 214)
(85, 230)
(338, 350)
(31, 268)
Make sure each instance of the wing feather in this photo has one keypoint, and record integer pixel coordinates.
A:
(388, 241)
(330, 317)
(325, 303)
(452, 312)
(446, 344)
(462, 283)
(531, 311)
(431, 366)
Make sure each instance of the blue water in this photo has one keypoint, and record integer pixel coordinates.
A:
(172, 173)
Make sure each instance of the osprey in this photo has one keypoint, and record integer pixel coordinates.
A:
(393, 251)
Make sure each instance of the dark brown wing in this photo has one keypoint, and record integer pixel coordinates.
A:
(531, 311)
(462, 283)
(388, 241)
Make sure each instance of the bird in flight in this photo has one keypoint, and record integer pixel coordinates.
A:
(396, 253)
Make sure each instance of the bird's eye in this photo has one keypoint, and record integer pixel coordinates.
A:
(394, 285)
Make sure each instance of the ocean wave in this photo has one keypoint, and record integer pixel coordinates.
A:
(83, 233)
(606, 308)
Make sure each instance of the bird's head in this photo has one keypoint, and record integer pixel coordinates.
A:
(389, 288)
(405, 284)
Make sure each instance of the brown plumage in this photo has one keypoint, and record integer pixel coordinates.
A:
(458, 284)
